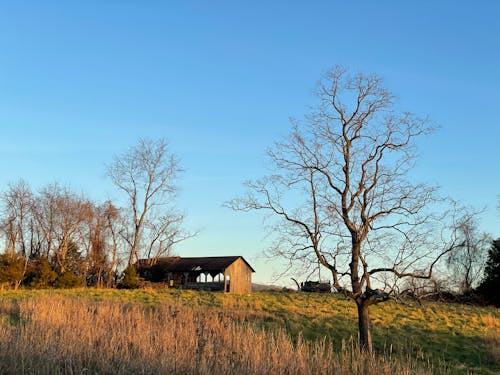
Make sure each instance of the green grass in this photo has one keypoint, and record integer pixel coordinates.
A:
(463, 338)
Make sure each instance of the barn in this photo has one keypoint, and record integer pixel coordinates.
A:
(230, 274)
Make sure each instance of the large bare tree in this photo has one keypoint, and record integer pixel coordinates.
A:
(343, 196)
(146, 173)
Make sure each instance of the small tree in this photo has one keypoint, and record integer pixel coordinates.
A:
(342, 194)
(40, 274)
(11, 269)
(130, 279)
(490, 285)
(73, 260)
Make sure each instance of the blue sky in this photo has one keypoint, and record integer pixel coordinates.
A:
(81, 81)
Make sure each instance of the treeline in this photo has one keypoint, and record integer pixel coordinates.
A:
(55, 237)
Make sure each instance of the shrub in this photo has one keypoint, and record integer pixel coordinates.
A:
(129, 279)
(67, 280)
(11, 269)
(40, 274)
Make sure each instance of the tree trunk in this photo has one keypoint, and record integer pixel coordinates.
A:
(135, 245)
(365, 338)
(133, 250)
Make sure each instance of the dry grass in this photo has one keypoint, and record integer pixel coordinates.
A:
(492, 337)
(62, 335)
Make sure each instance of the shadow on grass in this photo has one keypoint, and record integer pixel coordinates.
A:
(465, 354)
(10, 313)
(449, 348)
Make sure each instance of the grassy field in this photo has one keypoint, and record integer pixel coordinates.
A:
(187, 332)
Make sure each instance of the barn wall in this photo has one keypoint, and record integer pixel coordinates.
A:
(240, 277)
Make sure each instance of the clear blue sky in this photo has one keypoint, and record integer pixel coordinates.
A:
(81, 81)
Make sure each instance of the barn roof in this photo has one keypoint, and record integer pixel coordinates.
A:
(202, 264)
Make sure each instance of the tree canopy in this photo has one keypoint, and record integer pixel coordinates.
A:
(343, 196)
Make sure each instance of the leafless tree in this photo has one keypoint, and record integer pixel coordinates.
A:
(146, 173)
(420, 289)
(162, 234)
(342, 194)
(467, 262)
(94, 241)
(104, 244)
(16, 203)
(113, 227)
(62, 215)
(68, 230)
(44, 212)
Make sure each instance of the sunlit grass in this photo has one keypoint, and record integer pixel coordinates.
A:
(453, 338)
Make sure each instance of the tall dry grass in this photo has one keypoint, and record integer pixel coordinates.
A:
(492, 337)
(59, 335)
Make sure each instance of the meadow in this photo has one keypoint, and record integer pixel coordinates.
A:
(149, 331)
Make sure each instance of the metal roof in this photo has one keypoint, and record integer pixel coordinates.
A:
(201, 264)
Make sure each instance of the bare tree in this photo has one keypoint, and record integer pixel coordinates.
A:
(17, 202)
(112, 227)
(94, 241)
(162, 234)
(341, 192)
(44, 213)
(69, 231)
(103, 244)
(146, 174)
(467, 262)
(63, 215)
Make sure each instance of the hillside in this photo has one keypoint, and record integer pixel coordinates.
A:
(452, 338)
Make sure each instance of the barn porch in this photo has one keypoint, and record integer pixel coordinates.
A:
(198, 280)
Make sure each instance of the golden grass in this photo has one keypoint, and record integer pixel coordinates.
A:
(492, 337)
(50, 333)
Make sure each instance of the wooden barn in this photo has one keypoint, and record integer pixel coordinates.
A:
(231, 274)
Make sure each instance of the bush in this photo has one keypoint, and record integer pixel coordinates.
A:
(129, 279)
(40, 274)
(67, 280)
(11, 269)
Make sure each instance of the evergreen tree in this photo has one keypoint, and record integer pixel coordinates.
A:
(40, 274)
(130, 279)
(67, 279)
(69, 268)
(490, 286)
